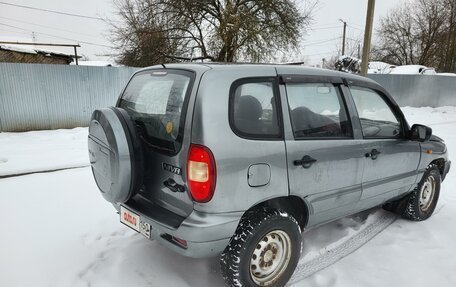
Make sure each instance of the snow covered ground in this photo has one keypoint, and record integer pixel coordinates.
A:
(58, 231)
(42, 150)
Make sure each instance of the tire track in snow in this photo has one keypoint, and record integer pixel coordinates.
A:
(309, 266)
(42, 171)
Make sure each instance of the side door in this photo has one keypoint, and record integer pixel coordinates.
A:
(323, 159)
(391, 158)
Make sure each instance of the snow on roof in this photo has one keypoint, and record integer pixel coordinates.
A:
(447, 74)
(33, 50)
(20, 49)
(94, 63)
(412, 70)
(377, 67)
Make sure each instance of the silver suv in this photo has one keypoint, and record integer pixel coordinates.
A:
(239, 159)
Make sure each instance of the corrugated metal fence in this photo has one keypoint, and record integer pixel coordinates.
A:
(419, 90)
(36, 96)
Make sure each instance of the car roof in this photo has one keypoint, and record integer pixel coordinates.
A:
(282, 69)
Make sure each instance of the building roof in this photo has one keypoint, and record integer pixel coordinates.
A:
(33, 50)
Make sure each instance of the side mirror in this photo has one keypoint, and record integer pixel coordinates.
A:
(421, 133)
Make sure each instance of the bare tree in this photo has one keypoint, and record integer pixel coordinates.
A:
(449, 39)
(157, 31)
(419, 32)
(398, 37)
(140, 38)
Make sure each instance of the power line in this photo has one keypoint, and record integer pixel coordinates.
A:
(16, 32)
(354, 39)
(353, 27)
(51, 11)
(324, 28)
(59, 37)
(321, 42)
(318, 54)
(325, 43)
(354, 24)
(48, 27)
(321, 25)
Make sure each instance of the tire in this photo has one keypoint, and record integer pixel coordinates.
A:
(420, 204)
(262, 235)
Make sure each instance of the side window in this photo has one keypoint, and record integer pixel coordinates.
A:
(317, 110)
(376, 117)
(253, 109)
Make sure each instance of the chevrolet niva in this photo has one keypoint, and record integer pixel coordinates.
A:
(237, 160)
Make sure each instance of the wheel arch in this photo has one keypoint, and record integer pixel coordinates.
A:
(440, 163)
(293, 205)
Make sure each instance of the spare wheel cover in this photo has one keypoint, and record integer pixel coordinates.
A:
(110, 152)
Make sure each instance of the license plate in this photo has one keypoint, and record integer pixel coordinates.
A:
(133, 220)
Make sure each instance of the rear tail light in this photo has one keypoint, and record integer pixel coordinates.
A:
(201, 173)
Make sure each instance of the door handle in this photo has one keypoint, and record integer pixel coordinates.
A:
(373, 154)
(173, 185)
(305, 162)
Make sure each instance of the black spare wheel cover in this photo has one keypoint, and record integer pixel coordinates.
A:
(111, 153)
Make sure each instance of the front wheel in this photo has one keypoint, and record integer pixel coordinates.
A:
(422, 201)
(264, 250)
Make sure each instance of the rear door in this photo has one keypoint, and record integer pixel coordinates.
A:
(324, 163)
(157, 102)
(391, 160)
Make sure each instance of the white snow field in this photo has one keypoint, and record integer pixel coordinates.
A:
(57, 230)
(42, 150)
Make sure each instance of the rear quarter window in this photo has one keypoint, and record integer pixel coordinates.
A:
(253, 108)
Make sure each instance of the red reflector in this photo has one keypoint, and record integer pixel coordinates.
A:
(201, 173)
(179, 241)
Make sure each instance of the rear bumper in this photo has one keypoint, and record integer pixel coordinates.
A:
(446, 169)
(206, 234)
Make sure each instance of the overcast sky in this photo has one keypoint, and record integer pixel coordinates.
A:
(17, 24)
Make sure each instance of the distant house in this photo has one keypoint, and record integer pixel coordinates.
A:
(19, 54)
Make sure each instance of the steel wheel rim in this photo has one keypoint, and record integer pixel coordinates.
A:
(270, 257)
(427, 193)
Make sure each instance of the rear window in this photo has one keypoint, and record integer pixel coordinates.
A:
(156, 102)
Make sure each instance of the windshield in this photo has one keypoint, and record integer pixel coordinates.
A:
(155, 100)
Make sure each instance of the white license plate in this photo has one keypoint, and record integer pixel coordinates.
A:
(133, 220)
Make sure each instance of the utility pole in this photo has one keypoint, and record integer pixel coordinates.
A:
(343, 37)
(367, 36)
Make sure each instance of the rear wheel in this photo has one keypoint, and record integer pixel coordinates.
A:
(264, 251)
